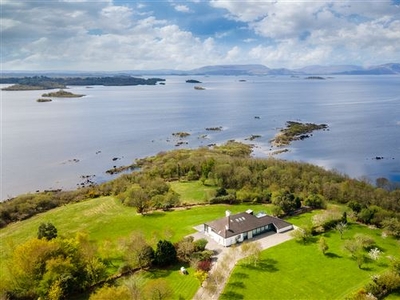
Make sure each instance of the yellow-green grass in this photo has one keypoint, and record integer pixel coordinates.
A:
(296, 271)
(193, 191)
(106, 220)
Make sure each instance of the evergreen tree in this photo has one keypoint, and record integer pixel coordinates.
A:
(47, 231)
(165, 254)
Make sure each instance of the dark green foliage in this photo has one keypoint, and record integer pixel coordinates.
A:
(165, 254)
(392, 226)
(315, 201)
(239, 178)
(355, 206)
(296, 131)
(61, 82)
(47, 231)
(287, 201)
(200, 244)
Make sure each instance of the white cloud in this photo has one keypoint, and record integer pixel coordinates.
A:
(99, 35)
(182, 8)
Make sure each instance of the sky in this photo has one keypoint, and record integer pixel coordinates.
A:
(115, 35)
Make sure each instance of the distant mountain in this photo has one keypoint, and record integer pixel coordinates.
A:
(328, 70)
(231, 70)
(235, 70)
(386, 69)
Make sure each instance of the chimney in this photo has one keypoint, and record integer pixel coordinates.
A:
(228, 218)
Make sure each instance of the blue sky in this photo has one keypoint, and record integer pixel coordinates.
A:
(112, 35)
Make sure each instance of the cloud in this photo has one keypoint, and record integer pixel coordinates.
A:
(320, 31)
(182, 8)
(105, 35)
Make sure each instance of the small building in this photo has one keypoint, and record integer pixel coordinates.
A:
(243, 226)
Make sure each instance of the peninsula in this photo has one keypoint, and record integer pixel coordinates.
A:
(295, 131)
(45, 83)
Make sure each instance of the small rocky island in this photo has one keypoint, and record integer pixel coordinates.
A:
(34, 87)
(44, 100)
(192, 81)
(295, 131)
(62, 94)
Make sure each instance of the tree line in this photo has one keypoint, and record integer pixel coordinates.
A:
(54, 267)
(237, 178)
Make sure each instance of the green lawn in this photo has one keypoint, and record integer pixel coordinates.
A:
(106, 220)
(288, 271)
(193, 191)
(296, 271)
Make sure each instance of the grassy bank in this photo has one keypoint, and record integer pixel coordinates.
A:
(296, 271)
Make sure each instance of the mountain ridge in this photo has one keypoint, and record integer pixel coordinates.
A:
(235, 70)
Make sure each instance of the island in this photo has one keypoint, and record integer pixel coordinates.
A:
(43, 100)
(181, 134)
(62, 94)
(192, 81)
(46, 83)
(33, 87)
(199, 88)
(295, 131)
(315, 78)
(219, 128)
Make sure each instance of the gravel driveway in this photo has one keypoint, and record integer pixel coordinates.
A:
(266, 240)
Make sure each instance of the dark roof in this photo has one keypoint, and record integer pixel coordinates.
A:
(244, 222)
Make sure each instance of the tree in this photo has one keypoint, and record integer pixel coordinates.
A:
(158, 290)
(392, 226)
(185, 248)
(165, 253)
(136, 252)
(287, 201)
(302, 234)
(200, 244)
(252, 252)
(137, 197)
(374, 253)
(135, 285)
(315, 201)
(51, 269)
(111, 292)
(322, 245)
(47, 231)
(341, 227)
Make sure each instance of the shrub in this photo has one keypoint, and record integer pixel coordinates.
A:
(204, 265)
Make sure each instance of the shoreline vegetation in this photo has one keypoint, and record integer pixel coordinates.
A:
(183, 185)
(211, 164)
(47, 83)
(295, 131)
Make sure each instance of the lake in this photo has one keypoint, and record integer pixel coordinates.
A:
(51, 145)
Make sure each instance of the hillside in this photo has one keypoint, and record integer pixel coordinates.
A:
(112, 78)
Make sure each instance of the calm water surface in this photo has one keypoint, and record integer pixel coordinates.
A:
(51, 145)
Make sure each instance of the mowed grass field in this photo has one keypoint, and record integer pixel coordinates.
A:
(193, 191)
(106, 221)
(288, 271)
(296, 271)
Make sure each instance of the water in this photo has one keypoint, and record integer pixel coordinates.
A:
(50, 145)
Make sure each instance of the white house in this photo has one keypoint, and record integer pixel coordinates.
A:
(236, 228)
